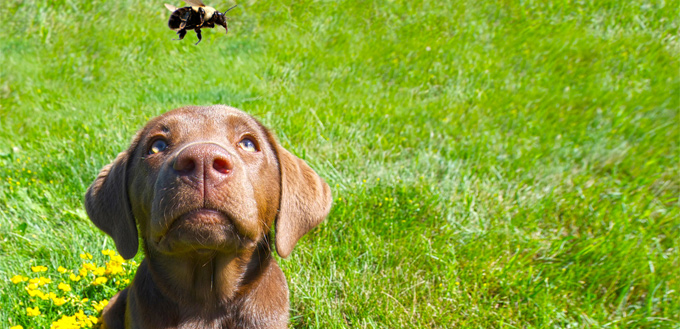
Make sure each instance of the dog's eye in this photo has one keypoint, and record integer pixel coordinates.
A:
(248, 145)
(158, 146)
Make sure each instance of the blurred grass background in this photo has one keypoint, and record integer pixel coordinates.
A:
(494, 163)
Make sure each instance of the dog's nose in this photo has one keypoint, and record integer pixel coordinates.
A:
(209, 162)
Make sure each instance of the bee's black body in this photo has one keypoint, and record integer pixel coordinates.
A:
(195, 18)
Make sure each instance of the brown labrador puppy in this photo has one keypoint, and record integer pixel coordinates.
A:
(203, 186)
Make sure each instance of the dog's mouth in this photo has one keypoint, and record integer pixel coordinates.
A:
(202, 216)
(200, 231)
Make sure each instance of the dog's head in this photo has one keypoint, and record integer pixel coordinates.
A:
(206, 179)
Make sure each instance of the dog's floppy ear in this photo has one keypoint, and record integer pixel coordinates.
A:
(108, 205)
(305, 201)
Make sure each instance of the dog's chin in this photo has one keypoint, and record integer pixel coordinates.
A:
(201, 232)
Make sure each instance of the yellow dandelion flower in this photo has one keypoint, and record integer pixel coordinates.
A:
(80, 315)
(89, 266)
(38, 268)
(114, 268)
(18, 278)
(99, 271)
(86, 255)
(37, 293)
(64, 287)
(73, 277)
(117, 258)
(41, 281)
(82, 272)
(62, 269)
(32, 311)
(99, 280)
(108, 252)
(16, 327)
(66, 322)
(85, 321)
(59, 301)
(100, 305)
(42, 295)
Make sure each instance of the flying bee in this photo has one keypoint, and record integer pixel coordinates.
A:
(195, 17)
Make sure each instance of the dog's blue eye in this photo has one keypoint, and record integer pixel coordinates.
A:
(158, 146)
(247, 145)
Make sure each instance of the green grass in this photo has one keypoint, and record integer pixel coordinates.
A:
(494, 164)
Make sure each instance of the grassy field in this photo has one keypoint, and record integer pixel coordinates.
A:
(493, 163)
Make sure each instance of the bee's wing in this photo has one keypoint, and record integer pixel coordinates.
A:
(197, 3)
(170, 7)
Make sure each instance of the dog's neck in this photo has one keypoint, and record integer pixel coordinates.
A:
(247, 290)
(207, 279)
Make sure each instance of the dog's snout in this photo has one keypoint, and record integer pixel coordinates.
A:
(204, 161)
